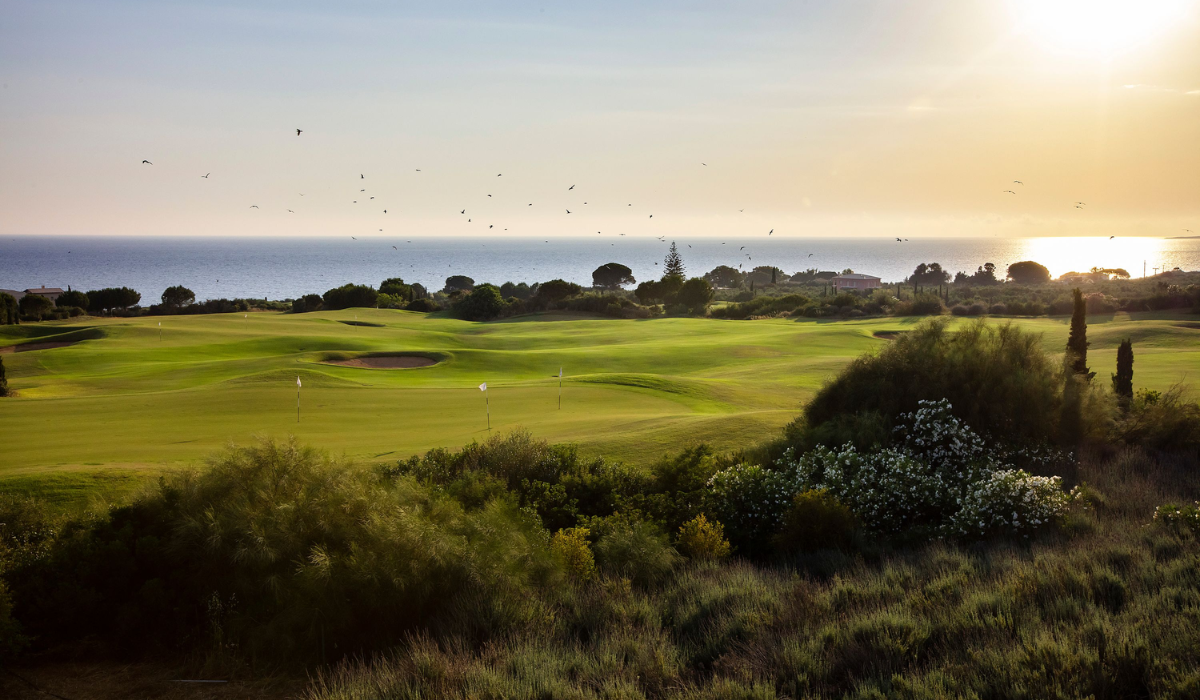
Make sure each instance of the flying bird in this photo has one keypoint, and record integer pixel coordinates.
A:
(489, 195)
(651, 216)
(147, 162)
(499, 174)
(205, 175)
(742, 248)
(1018, 182)
(291, 212)
(254, 206)
(770, 232)
(464, 211)
(490, 225)
(571, 188)
(362, 177)
(568, 211)
(298, 132)
(385, 211)
(898, 239)
(1010, 192)
(1083, 203)
(1111, 237)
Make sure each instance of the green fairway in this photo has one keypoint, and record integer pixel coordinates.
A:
(121, 403)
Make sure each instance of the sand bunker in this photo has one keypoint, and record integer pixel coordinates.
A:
(385, 362)
(27, 347)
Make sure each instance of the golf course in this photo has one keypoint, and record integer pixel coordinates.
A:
(104, 403)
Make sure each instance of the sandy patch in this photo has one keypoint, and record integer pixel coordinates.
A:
(385, 362)
(27, 347)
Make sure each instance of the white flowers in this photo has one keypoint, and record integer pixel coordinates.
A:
(942, 480)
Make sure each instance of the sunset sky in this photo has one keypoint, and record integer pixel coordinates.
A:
(847, 118)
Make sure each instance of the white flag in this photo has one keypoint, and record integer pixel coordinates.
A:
(160, 324)
(483, 387)
(297, 381)
(560, 372)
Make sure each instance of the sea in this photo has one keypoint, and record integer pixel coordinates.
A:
(278, 268)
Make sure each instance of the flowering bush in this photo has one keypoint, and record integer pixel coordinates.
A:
(941, 479)
(1175, 516)
(570, 545)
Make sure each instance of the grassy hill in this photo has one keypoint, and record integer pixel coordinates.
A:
(119, 404)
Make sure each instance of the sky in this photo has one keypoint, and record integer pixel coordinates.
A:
(871, 118)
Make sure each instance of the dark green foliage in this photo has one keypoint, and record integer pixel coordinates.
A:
(308, 302)
(650, 292)
(1077, 342)
(725, 276)
(612, 276)
(34, 307)
(638, 551)
(762, 306)
(422, 305)
(930, 274)
(673, 264)
(1122, 380)
(483, 303)
(282, 552)
(997, 377)
(557, 290)
(1028, 272)
(1161, 421)
(350, 296)
(696, 294)
(521, 291)
(9, 310)
(816, 520)
(458, 283)
(72, 297)
(396, 287)
(178, 296)
(112, 298)
(3, 379)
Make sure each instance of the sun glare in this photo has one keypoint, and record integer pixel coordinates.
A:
(1098, 27)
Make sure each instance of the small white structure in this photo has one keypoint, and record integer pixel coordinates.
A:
(51, 293)
(854, 281)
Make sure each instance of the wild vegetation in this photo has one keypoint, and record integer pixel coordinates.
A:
(1029, 534)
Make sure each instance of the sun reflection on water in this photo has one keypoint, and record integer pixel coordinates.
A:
(1080, 254)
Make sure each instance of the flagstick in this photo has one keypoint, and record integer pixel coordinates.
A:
(297, 403)
(560, 389)
(488, 407)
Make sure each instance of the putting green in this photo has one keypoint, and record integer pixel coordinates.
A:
(120, 403)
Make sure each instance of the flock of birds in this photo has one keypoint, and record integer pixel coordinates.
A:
(463, 212)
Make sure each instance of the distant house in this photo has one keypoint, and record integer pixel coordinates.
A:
(854, 281)
(51, 293)
(14, 293)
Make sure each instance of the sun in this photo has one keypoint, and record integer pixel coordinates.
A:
(1098, 27)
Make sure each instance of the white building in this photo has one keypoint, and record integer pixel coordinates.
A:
(854, 281)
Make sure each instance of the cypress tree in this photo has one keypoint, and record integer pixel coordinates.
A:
(3, 379)
(1077, 342)
(772, 275)
(1123, 379)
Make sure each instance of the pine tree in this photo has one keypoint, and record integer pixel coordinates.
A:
(1123, 379)
(673, 263)
(1077, 342)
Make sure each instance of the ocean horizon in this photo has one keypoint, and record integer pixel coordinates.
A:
(282, 268)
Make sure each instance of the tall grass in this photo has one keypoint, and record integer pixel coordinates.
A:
(1107, 608)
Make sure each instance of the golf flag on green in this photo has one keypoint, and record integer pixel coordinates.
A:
(487, 405)
(297, 398)
(560, 388)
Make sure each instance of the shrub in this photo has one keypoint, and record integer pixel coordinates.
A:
(112, 298)
(35, 307)
(422, 305)
(308, 302)
(458, 283)
(3, 379)
(996, 376)
(751, 501)
(612, 276)
(571, 547)
(976, 310)
(1160, 420)
(998, 309)
(700, 538)
(350, 296)
(696, 293)
(940, 480)
(958, 310)
(9, 310)
(1173, 516)
(638, 551)
(557, 290)
(298, 552)
(72, 297)
(395, 286)
(482, 304)
(816, 520)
